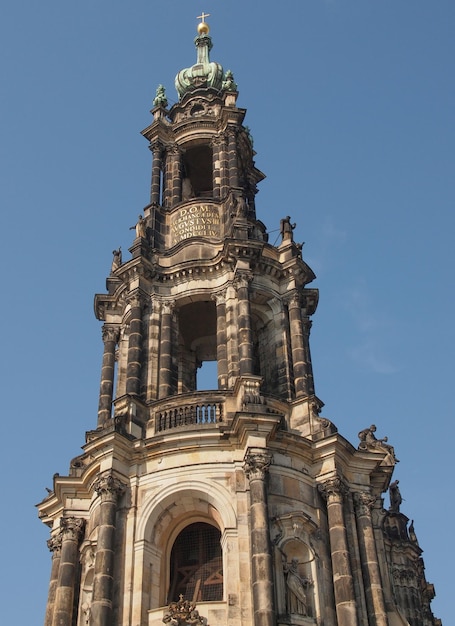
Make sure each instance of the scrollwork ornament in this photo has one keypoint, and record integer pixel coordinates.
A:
(257, 463)
(108, 486)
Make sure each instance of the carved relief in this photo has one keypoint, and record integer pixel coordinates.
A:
(183, 613)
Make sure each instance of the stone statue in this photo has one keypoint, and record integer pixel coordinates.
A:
(286, 228)
(117, 260)
(395, 497)
(229, 83)
(368, 441)
(241, 206)
(160, 99)
(187, 189)
(296, 600)
(140, 227)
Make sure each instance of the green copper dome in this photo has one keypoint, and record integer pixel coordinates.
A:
(204, 73)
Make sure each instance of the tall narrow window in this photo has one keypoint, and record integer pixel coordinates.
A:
(197, 564)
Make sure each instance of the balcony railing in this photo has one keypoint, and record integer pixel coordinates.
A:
(198, 414)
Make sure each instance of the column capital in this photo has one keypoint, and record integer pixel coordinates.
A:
(110, 333)
(55, 543)
(364, 502)
(167, 307)
(156, 146)
(108, 487)
(136, 299)
(257, 463)
(220, 297)
(333, 488)
(173, 149)
(219, 139)
(293, 300)
(72, 527)
(242, 279)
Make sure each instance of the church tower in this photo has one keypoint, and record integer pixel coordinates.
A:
(240, 505)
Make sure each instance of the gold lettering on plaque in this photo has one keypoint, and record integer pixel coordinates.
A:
(199, 220)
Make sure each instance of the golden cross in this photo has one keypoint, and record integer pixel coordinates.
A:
(203, 16)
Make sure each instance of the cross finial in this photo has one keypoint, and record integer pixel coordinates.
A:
(203, 16)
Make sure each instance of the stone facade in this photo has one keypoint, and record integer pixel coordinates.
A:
(240, 506)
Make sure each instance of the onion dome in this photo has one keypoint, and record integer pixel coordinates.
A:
(205, 73)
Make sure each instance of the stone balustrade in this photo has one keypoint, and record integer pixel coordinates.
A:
(197, 412)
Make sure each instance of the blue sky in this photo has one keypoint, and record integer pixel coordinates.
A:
(351, 106)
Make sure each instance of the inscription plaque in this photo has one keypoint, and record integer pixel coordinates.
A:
(196, 220)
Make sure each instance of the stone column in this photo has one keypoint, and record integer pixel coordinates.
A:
(333, 491)
(166, 192)
(216, 166)
(364, 502)
(153, 351)
(55, 546)
(109, 489)
(221, 340)
(155, 192)
(309, 379)
(232, 157)
(165, 373)
(110, 338)
(133, 368)
(175, 157)
(297, 345)
(245, 332)
(224, 167)
(257, 463)
(71, 532)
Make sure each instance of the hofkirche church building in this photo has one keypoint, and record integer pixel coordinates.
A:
(242, 505)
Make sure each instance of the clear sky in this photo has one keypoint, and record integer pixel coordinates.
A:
(351, 106)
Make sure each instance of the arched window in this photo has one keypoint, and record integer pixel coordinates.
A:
(197, 564)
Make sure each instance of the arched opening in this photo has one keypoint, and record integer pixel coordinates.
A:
(196, 564)
(197, 345)
(198, 173)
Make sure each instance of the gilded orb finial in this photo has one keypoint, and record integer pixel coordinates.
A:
(203, 28)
